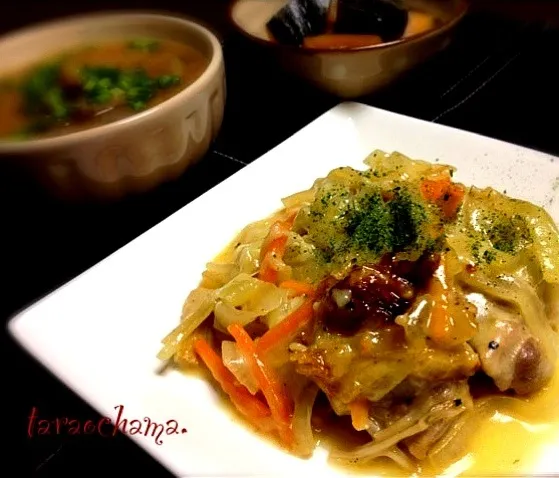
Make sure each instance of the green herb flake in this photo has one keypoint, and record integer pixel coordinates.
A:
(489, 256)
(371, 226)
(361, 224)
(167, 81)
(499, 233)
(42, 93)
(103, 85)
(508, 234)
(408, 217)
(144, 44)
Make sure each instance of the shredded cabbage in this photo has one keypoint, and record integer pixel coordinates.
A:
(238, 366)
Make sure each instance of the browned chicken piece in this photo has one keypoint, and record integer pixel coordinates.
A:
(435, 365)
(359, 352)
(457, 397)
(368, 296)
(372, 296)
(420, 444)
(374, 362)
(510, 354)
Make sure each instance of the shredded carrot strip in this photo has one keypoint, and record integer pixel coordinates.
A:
(449, 322)
(248, 405)
(453, 200)
(272, 250)
(359, 410)
(273, 390)
(299, 288)
(444, 192)
(291, 217)
(439, 323)
(288, 328)
(435, 189)
(273, 247)
(275, 250)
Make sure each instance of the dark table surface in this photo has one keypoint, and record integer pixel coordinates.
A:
(499, 79)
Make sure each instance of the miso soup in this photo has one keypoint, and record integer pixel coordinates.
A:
(94, 85)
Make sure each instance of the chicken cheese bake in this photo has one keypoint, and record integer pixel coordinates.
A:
(392, 304)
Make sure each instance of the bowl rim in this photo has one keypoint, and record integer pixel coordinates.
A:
(463, 6)
(115, 127)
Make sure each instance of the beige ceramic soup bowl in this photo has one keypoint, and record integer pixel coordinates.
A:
(138, 152)
(355, 72)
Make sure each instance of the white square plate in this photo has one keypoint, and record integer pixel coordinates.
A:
(100, 333)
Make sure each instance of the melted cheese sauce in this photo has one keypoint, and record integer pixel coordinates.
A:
(516, 437)
(509, 437)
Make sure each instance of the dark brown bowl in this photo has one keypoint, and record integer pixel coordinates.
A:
(351, 72)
